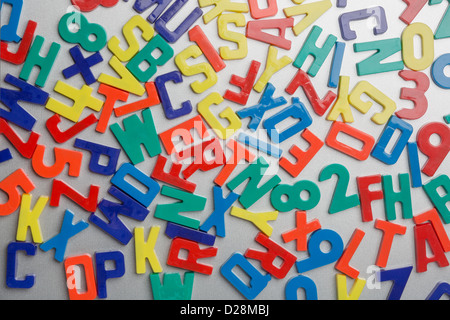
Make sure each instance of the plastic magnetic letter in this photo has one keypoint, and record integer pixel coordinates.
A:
(435, 153)
(173, 176)
(364, 87)
(10, 185)
(103, 274)
(340, 200)
(82, 65)
(345, 19)
(439, 290)
(194, 253)
(433, 216)
(62, 136)
(45, 64)
(336, 64)
(198, 151)
(89, 5)
(126, 82)
(11, 265)
(219, 7)
(259, 219)
(384, 49)
(9, 31)
(62, 157)
(442, 29)
(182, 132)
(274, 251)
(141, 5)
(340, 127)
(320, 106)
(317, 258)
(24, 46)
(238, 19)
(427, 44)
(194, 52)
(197, 35)
(68, 230)
(137, 133)
(10, 99)
(302, 157)
(112, 96)
(114, 226)
(174, 230)
(151, 100)
(273, 65)
(245, 84)
(173, 288)
(341, 106)
(266, 102)
(300, 233)
(5, 155)
(303, 282)
(440, 201)
(389, 230)
(424, 234)
(295, 200)
(169, 111)
(97, 151)
(145, 250)
(82, 99)
(319, 54)
(145, 55)
(71, 278)
(366, 196)
(296, 110)
(203, 108)
(25, 149)
(173, 36)
(239, 153)
(120, 181)
(255, 172)
(412, 10)
(355, 291)
(257, 13)
(343, 262)
(260, 145)
(255, 27)
(379, 150)
(217, 217)
(188, 203)
(399, 277)
(258, 281)
(136, 22)
(310, 12)
(83, 35)
(403, 196)
(416, 95)
(60, 188)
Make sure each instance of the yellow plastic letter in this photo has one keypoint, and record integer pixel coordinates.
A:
(427, 37)
(260, 220)
(241, 40)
